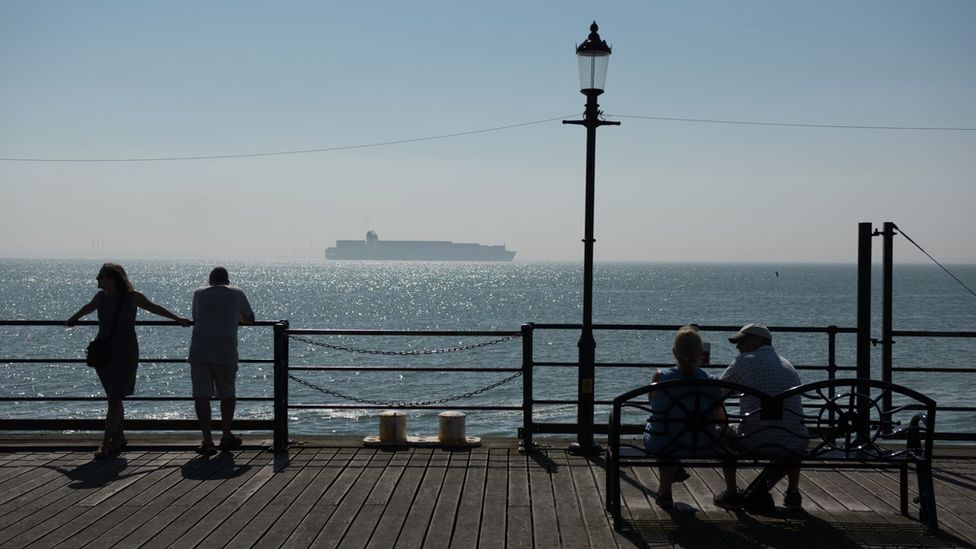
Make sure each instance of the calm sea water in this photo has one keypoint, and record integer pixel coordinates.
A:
(470, 296)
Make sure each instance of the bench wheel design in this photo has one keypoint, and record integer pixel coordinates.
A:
(845, 421)
(695, 419)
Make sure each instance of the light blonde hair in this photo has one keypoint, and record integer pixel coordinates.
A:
(687, 348)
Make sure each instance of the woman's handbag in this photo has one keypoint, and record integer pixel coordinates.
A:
(99, 351)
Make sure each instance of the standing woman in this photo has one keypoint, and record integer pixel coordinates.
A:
(116, 304)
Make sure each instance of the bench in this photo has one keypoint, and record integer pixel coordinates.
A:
(847, 429)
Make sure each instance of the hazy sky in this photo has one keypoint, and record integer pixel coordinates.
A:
(118, 80)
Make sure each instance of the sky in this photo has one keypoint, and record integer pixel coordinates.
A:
(127, 80)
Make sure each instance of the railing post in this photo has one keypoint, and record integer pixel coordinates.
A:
(864, 236)
(887, 256)
(832, 371)
(831, 352)
(281, 387)
(527, 398)
(864, 300)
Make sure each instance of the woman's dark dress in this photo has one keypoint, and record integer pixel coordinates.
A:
(119, 377)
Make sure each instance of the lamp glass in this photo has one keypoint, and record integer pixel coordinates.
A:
(593, 69)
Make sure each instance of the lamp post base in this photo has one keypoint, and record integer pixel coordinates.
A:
(578, 449)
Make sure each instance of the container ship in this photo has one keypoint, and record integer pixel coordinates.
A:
(374, 249)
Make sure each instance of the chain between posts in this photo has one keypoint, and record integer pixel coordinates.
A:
(406, 353)
(397, 404)
(404, 404)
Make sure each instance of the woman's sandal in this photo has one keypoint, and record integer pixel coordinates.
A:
(104, 451)
(206, 449)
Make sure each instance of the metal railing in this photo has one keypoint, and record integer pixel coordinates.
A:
(831, 368)
(97, 424)
(284, 372)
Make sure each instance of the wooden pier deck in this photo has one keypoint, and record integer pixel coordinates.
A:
(336, 493)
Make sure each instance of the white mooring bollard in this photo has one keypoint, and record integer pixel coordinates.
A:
(393, 427)
(451, 429)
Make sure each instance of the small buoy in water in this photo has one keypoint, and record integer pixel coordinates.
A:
(777, 273)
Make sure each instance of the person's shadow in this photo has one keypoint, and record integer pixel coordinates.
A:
(218, 467)
(95, 473)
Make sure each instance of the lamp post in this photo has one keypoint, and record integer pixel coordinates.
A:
(593, 56)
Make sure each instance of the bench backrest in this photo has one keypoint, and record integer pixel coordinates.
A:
(841, 417)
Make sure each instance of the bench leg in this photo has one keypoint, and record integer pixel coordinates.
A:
(903, 491)
(926, 497)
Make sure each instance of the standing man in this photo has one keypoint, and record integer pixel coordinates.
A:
(759, 366)
(217, 311)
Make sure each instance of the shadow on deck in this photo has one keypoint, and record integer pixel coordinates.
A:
(332, 492)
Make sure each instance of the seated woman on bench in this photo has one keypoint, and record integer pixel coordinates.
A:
(665, 433)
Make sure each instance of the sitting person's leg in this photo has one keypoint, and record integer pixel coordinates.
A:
(667, 474)
(729, 472)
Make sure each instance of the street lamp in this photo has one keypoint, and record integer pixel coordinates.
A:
(593, 56)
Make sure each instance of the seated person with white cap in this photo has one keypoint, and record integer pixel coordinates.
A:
(760, 367)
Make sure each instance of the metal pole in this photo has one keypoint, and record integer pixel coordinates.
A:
(864, 236)
(280, 387)
(584, 444)
(586, 344)
(887, 255)
(864, 300)
(527, 397)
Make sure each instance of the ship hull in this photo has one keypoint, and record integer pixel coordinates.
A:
(415, 250)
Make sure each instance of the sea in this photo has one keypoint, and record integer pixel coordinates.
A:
(453, 296)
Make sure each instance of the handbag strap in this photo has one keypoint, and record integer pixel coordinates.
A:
(118, 311)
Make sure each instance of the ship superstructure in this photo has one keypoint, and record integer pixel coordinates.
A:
(415, 250)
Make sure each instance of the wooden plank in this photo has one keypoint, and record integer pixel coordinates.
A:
(311, 526)
(598, 471)
(104, 515)
(445, 510)
(518, 535)
(391, 522)
(908, 531)
(955, 512)
(298, 477)
(701, 488)
(569, 516)
(494, 512)
(353, 501)
(303, 509)
(164, 498)
(824, 480)
(210, 484)
(197, 521)
(365, 524)
(467, 525)
(57, 507)
(422, 509)
(544, 524)
(252, 509)
(599, 527)
(147, 504)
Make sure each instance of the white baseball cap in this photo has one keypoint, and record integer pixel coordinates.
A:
(752, 329)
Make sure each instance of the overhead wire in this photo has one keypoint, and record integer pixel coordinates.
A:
(282, 153)
(961, 283)
(485, 130)
(794, 124)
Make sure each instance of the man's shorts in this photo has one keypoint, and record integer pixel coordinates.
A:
(209, 378)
